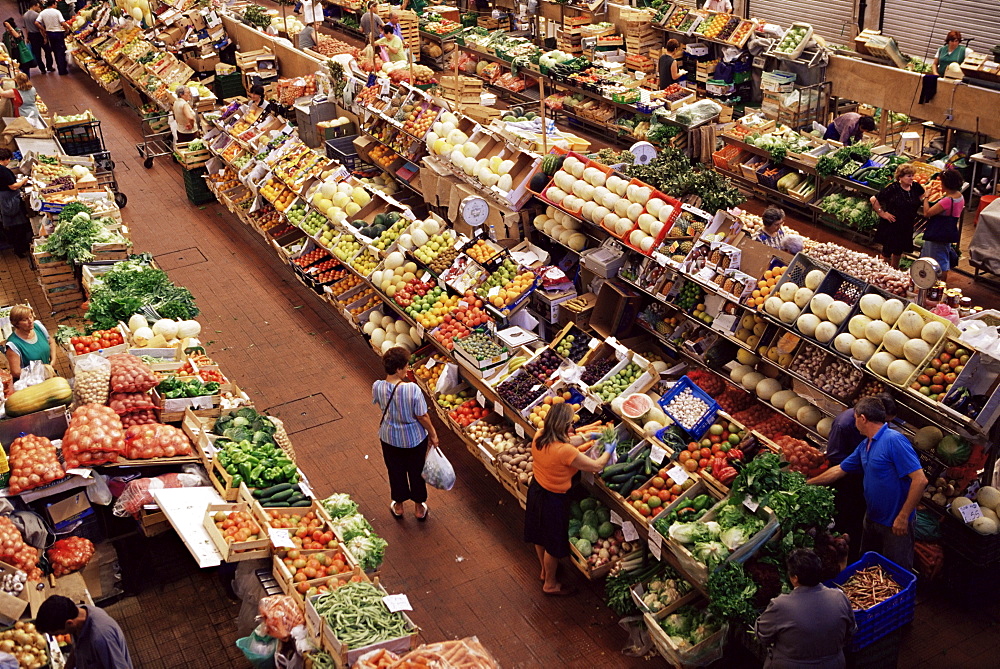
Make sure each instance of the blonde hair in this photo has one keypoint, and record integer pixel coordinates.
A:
(20, 312)
(22, 82)
(905, 169)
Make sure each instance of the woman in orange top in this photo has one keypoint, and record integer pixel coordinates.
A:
(554, 463)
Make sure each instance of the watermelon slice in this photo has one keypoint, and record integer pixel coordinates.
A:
(636, 405)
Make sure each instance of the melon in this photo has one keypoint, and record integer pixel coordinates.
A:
(875, 331)
(911, 323)
(814, 278)
(957, 504)
(900, 371)
(636, 405)
(916, 350)
(988, 497)
(825, 331)
(894, 341)
(767, 388)
(807, 324)
(932, 332)
(802, 297)
(750, 381)
(793, 405)
(739, 372)
(843, 342)
(838, 312)
(927, 438)
(616, 404)
(879, 363)
(862, 349)
(891, 309)
(773, 304)
(809, 415)
(824, 426)
(651, 428)
(788, 312)
(871, 305)
(787, 291)
(394, 260)
(985, 525)
(655, 414)
(856, 326)
(820, 304)
(780, 398)
(745, 357)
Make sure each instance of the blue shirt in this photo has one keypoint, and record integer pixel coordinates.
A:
(400, 427)
(101, 643)
(887, 462)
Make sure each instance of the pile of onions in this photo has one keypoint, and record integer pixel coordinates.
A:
(70, 554)
(129, 374)
(95, 436)
(142, 417)
(92, 374)
(25, 643)
(15, 552)
(33, 462)
(155, 441)
(801, 457)
(124, 403)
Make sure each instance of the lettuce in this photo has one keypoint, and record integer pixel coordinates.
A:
(368, 550)
(710, 552)
(339, 505)
(352, 526)
(689, 533)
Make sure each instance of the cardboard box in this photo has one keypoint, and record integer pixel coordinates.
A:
(616, 308)
(66, 513)
(202, 63)
(12, 607)
(546, 304)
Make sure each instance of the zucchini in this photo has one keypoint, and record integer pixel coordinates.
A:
(305, 502)
(616, 470)
(264, 493)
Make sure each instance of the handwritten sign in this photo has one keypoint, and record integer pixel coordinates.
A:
(494, 291)
(678, 474)
(593, 343)
(657, 454)
(616, 519)
(970, 512)
(397, 603)
(519, 429)
(499, 409)
(590, 404)
(629, 531)
(481, 398)
(750, 504)
(430, 363)
(280, 538)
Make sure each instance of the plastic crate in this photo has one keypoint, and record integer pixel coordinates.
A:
(706, 419)
(797, 270)
(229, 85)
(342, 150)
(888, 616)
(772, 180)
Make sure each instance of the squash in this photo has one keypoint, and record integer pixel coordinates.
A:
(45, 395)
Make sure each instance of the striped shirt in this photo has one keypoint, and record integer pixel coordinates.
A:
(774, 242)
(400, 427)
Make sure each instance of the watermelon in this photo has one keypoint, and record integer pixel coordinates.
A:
(551, 163)
(379, 219)
(954, 451)
(636, 405)
(391, 217)
(539, 182)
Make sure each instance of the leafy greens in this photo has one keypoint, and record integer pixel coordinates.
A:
(132, 285)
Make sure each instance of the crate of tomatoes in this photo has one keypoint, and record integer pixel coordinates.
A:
(102, 342)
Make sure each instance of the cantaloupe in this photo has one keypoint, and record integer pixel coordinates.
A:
(802, 297)
(894, 341)
(773, 304)
(814, 278)
(820, 304)
(932, 332)
(900, 371)
(911, 323)
(875, 331)
(988, 497)
(787, 291)
(879, 363)
(766, 389)
(788, 312)
(750, 381)
(780, 398)
(856, 326)
(793, 405)
(862, 349)
(808, 415)
(824, 426)
(891, 309)
(843, 342)
(736, 376)
(871, 305)
(825, 331)
(806, 324)
(838, 312)
(915, 350)
(745, 357)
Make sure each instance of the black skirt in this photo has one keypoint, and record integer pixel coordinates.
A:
(546, 520)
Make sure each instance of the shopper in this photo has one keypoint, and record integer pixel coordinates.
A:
(54, 28)
(416, 6)
(8, 91)
(554, 463)
(953, 51)
(844, 439)
(394, 22)
(371, 23)
(184, 116)
(943, 218)
(893, 482)
(667, 68)
(98, 641)
(16, 227)
(849, 128)
(17, 47)
(810, 626)
(306, 38)
(772, 235)
(723, 6)
(36, 39)
(29, 96)
(897, 206)
(29, 342)
(406, 433)
(392, 45)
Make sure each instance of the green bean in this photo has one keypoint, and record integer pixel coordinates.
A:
(358, 616)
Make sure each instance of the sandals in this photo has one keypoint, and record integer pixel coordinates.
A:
(392, 510)
(427, 512)
(563, 591)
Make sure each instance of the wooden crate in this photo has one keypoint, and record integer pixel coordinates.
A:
(290, 587)
(223, 482)
(191, 158)
(153, 522)
(236, 551)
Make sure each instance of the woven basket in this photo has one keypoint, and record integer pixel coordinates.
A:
(281, 438)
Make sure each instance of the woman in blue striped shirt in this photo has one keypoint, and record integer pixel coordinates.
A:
(406, 433)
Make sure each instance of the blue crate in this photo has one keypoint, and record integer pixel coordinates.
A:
(705, 421)
(342, 150)
(888, 616)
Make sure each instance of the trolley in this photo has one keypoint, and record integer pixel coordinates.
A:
(156, 137)
(80, 139)
(104, 170)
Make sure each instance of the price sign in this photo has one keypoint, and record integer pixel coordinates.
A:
(657, 454)
(519, 429)
(678, 474)
(463, 304)
(279, 538)
(499, 409)
(420, 331)
(616, 519)
(970, 512)
(494, 291)
(590, 404)
(481, 398)
(426, 277)
(660, 259)
(628, 531)
(430, 363)
(750, 504)
(593, 343)
(655, 545)
(306, 490)
(397, 603)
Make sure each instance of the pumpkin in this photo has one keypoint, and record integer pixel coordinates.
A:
(45, 395)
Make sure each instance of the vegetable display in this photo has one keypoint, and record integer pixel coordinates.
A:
(689, 626)
(95, 436)
(45, 395)
(153, 440)
(129, 374)
(868, 587)
(731, 593)
(15, 552)
(257, 464)
(591, 532)
(358, 616)
(70, 554)
(172, 387)
(25, 643)
(131, 285)
(33, 462)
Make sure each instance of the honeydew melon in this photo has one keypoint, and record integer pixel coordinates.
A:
(814, 278)
(891, 309)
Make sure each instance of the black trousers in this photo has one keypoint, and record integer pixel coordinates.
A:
(57, 43)
(38, 47)
(405, 466)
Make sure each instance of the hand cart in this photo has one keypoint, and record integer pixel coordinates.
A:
(80, 139)
(104, 170)
(156, 138)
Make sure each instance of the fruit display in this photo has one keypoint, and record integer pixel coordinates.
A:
(497, 436)
(346, 247)
(593, 535)
(467, 413)
(521, 390)
(801, 457)
(418, 120)
(365, 262)
(391, 234)
(278, 194)
(430, 373)
(434, 245)
(936, 378)
(713, 25)
(690, 297)
(443, 260)
(561, 227)
(449, 331)
(480, 346)
(574, 345)
(903, 349)
(715, 452)
(237, 526)
(614, 386)
(482, 251)
(309, 259)
(97, 340)
(506, 284)
(771, 390)
(345, 285)
(596, 370)
(796, 34)
(544, 365)
(449, 401)
(765, 285)
(304, 567)
(538, 412)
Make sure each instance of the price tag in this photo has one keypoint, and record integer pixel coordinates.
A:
(655, 550)
(593, 343)
(481, 399)
(639, 360)
(306, 490)
(279, 538)
(385, 87)
(750, 504)
(463, 304)
(616, 519)
(420, 331)
(430, 363)
(678, 474)
(494, 291)
(660, 259)
(498, 407)
(519, 429)
(657, 454)
(591, 404)
(397, 603)
(426, 277)
(628, 531)
(621, 354)
(970, 512)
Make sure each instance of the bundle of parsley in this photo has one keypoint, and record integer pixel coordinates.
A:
(131, 285)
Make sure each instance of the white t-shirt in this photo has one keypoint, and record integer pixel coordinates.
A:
(723, 6)
(51, 20)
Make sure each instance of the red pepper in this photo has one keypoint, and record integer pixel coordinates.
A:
(735, 454)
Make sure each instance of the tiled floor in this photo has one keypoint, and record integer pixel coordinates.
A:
(466, 570)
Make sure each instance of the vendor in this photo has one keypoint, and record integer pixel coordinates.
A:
(98, 641)
(184, 116)
(811, 625)
(416, 6)
(307, 38)
(953, 51)
(392, 44)
(849, 128)
(8, 91)
(667, 68)
(897, 205)
(555, 462)
(29, 341)
(371, 23)
(772, 235)
(723, 6)
(16, 227)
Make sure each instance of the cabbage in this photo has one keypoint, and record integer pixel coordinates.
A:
(714, 529)
(338, 505)
(710, 552)
(589, 533)
(689, 533)
(733, 538)
(368, 550)
(585, 547)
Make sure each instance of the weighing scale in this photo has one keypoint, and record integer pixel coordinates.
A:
(925, 273)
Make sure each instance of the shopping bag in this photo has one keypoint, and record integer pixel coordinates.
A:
(438, 472)
(258, 648)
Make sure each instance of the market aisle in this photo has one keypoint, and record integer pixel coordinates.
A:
(467, 568)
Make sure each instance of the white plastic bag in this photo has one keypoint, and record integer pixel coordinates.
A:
(31, 375)
(92, 377)
(438, 472)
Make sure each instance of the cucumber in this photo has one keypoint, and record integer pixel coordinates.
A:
(615, 470)
(264, 493)
(305, 502)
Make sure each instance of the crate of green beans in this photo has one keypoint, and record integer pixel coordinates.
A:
(353, 619)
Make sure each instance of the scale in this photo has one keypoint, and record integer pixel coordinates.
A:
(473, 211)
(925, 273)
(644, 153)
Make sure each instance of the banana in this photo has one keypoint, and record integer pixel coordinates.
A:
(515, 363)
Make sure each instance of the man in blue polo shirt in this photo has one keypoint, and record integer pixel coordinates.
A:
(893, 483)
(98, 641)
